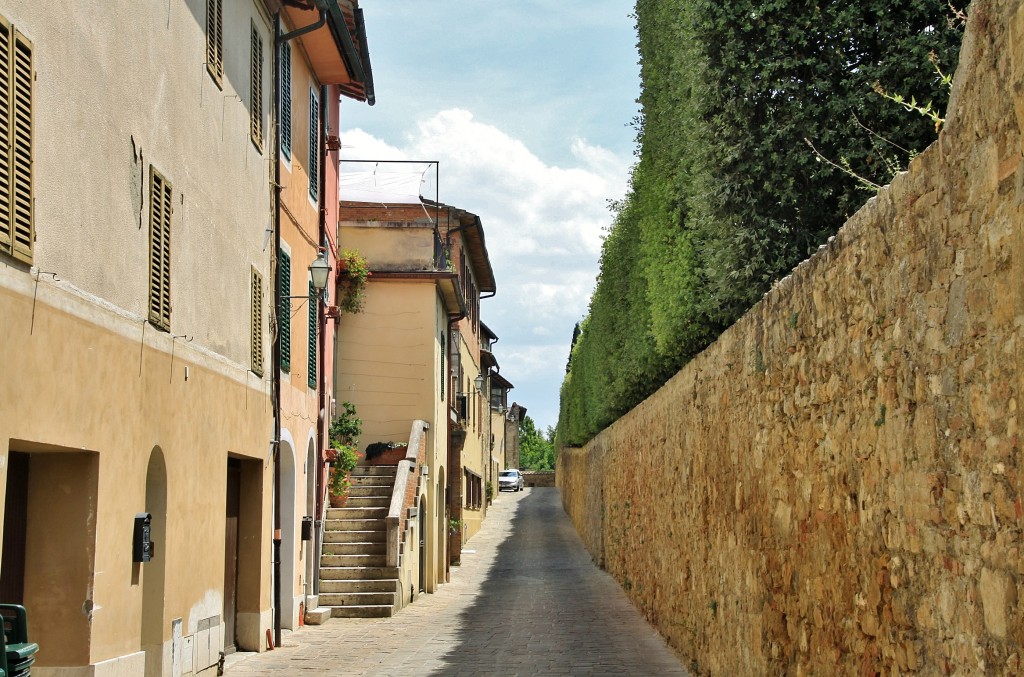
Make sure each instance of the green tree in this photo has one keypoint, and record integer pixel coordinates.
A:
(536, 452)
(726, 197)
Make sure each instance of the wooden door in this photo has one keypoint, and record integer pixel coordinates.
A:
(12, 567)
(231, 552)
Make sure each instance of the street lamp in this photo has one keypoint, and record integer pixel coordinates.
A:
(479, 382)
(319, 271)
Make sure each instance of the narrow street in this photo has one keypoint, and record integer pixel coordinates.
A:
(527, 600)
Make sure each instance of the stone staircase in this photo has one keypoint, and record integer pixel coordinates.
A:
(354, 581)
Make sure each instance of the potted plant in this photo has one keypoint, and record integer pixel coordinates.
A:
(353, 271)
(385, 453)
(454, 526)
(344, 438)
(343, 462)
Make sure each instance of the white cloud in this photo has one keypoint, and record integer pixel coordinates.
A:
(543, 227)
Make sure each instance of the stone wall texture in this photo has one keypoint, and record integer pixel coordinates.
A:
(835, 486)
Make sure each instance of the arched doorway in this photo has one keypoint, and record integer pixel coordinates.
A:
(312, 545)
(289, 555)
(154, 571)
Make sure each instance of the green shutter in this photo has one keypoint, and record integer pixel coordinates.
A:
(256, 88)
(311, 371)
(314, 146)
(160, 211)
(284, 323)
(256, 324)
(286, 100)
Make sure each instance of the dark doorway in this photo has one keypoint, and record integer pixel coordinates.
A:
(12, 567)
(423, 544)
(234, 493)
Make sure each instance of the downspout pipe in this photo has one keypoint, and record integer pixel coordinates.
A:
(275, 351)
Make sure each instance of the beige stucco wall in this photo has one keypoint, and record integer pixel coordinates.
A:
(388, 363)
(117, 395)
(833, 487)
(119, 88)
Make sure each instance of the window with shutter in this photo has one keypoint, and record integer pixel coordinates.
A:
(160, 210)
(256, 324)
(286, 100)
(256, 89)
(16, 138)
(284, 323)
(314, 347)
(215, 39)
(314, 146)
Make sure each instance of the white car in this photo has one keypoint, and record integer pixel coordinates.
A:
(511, 480)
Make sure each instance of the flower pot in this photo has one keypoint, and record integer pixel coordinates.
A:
(338, 501)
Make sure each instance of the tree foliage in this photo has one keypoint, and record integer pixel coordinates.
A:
(726, 197)
(536, 451)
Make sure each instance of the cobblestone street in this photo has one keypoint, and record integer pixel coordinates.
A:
(527, 600)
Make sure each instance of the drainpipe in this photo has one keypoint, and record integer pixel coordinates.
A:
(275, 351)
(275, 359)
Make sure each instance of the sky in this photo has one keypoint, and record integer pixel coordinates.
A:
(527, 108)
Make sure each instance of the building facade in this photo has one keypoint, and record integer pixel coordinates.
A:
(412, 354)
(143, 300)
(318, 63)
(133, 296)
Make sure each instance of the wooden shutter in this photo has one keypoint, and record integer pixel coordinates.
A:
(284, 323)
(256, 88)
(314, 347)
(16, 111)
(6, 210)
(256, 323)
(215, 39)
(314, 146)
(21, 147)
(286, 100)
(160, 210)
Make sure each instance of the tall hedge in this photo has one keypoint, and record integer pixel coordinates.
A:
(726, 196)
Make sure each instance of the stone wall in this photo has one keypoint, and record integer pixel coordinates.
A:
(835, 485)
(539, 478)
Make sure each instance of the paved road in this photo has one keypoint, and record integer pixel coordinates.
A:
(526, 601)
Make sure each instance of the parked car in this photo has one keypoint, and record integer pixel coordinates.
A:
(511, 480)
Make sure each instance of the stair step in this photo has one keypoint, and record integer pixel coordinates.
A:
(356, 573)
(340, 536)
(353, 512)
(376, 491)
(338, 586)
(367, 502)
(318, 615)
(354, 524)
(359, 560)
(358, 599)
(376, 470)
(383, 611)
(359, 548)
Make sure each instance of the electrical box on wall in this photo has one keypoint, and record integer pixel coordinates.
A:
(142, 542)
